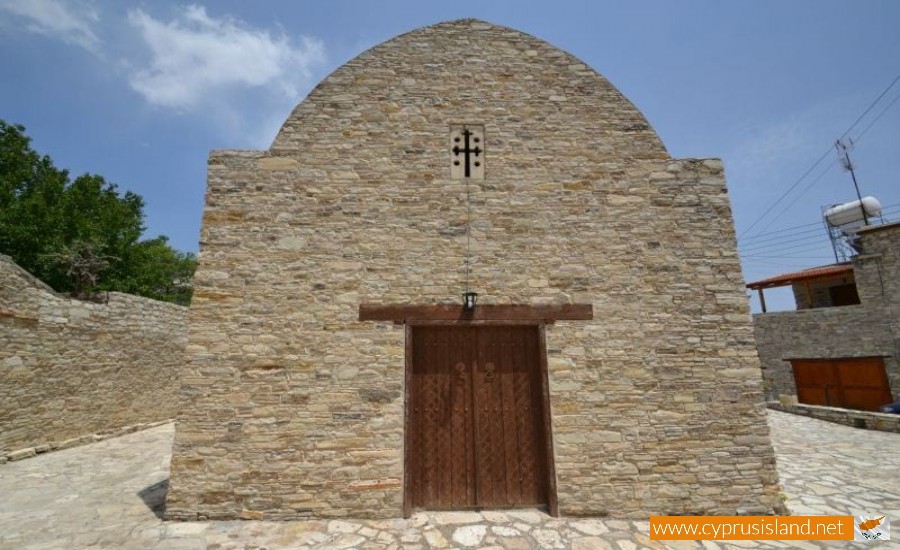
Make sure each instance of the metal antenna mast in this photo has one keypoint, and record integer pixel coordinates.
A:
(843, 147)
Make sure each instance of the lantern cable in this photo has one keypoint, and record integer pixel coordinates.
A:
(468, 231)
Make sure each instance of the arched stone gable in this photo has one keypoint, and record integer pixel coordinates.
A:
(439, 74)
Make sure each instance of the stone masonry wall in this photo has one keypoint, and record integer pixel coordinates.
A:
(878, 274)
(71, 369)
(869, 329)
(294, 408)
(846, 331)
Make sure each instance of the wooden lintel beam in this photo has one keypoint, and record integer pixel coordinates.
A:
(492, 312)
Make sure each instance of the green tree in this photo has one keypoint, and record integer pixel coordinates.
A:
(156, 270)
(81, 235)
(31, 189)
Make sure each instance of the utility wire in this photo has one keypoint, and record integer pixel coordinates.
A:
(813, 227)
(793, 262)
(820, 159)
(805, 189)
(881, 114)
(468, 223)
(788, 192)
(786, 237)
(870, 107)
(804, 264)
(789, 243)
(803, 252)
(790, 248)
(782, 236)
(779, 245)
(804, 246)
(782, 230)
(785, 263)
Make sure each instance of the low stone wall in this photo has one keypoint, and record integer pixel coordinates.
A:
(856, 419)
(73, 372)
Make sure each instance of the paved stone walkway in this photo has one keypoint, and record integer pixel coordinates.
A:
(108, 495)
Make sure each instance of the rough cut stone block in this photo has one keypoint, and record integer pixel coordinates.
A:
(22, 453)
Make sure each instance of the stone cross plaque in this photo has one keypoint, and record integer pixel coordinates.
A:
(467, 151)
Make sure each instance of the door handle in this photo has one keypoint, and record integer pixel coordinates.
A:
(489, 372)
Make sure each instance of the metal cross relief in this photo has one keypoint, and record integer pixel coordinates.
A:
(467, 152)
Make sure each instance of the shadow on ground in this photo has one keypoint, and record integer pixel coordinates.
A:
(154, 497)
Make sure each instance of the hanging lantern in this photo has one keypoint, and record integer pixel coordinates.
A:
(469, 299)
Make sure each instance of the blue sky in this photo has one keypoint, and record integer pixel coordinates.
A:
(139, 92)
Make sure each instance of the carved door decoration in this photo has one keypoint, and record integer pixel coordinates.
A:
(475, 424)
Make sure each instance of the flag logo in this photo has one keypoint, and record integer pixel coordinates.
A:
(875, 527)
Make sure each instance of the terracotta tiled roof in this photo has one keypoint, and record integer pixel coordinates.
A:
(805, 275)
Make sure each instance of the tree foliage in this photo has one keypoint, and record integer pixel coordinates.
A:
(83, 264)
(82, 235)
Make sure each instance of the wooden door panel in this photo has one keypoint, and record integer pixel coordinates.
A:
(865, 399)
(440, 458)
(854, 383)
(534, 456)
(864, 383)
(463, 450)
(413, 436)
(475, 430)
(814, 373)
(492, 451)
(509, 377)
(506, 365)
(442, 449)
(868, 372)
(486, 451)
(817, 383)
(812, 396)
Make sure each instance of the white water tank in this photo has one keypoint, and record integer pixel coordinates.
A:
(850, 212)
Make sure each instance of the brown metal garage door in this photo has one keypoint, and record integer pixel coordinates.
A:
(475, 432)
(851, 383)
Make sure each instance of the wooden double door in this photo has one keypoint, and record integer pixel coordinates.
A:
(851, 382)
(477, 428)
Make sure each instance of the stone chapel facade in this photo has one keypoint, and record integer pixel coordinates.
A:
(607, 368)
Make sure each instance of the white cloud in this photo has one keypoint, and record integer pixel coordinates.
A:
(792, 142)
(70, 21)
(197, 59)
(768, 147)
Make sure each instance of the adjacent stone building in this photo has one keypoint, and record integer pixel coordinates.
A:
(843, 340)
(607, 368)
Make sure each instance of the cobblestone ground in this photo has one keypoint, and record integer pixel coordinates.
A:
(108, 495)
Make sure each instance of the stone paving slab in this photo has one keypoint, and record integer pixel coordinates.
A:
(110, 495)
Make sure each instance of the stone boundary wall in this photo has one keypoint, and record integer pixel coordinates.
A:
(29, 452)
(847, 331)
(857, 419)
(73, 372)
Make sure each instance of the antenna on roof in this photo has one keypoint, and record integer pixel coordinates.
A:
(843, 147)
